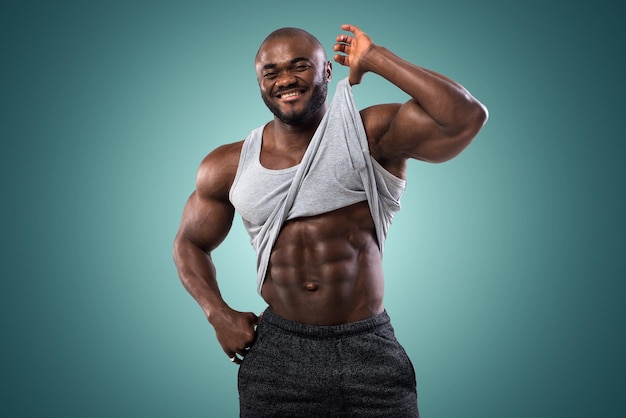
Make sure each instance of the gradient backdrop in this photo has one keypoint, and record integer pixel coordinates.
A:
(505, 268)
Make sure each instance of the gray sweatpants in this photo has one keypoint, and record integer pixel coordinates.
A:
(351, 370)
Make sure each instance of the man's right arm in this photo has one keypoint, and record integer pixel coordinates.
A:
(206, 221)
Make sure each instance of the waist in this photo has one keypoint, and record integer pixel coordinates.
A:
(326, 303)
(270, 318)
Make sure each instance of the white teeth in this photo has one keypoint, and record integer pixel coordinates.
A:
(295, 93)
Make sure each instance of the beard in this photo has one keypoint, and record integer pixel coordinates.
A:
(293, 117)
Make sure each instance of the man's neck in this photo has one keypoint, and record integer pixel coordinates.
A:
(287, 136)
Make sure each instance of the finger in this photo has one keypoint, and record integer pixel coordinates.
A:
(341, 59)
(341, 48)
(344, 39)
(350, 28)
(236, 358)
(241, 352)
(257, 322)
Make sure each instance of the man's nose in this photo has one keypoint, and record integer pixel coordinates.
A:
(285, 78)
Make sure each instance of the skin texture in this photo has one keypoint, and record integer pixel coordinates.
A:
(325, 269)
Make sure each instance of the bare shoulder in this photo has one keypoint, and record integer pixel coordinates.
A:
(217, 170)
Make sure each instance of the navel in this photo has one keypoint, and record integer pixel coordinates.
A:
(310, 286)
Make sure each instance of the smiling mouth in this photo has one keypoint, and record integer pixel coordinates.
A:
(290, 94)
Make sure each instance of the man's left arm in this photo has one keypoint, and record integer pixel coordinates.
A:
(439, 121)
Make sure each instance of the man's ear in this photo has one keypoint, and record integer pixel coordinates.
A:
(329, 71)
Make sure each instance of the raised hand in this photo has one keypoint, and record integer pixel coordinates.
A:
(352, 50)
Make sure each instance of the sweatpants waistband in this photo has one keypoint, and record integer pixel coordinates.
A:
(325, 331)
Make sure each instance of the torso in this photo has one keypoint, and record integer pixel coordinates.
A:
(326, 269)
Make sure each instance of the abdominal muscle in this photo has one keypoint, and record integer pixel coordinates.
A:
(326, 269)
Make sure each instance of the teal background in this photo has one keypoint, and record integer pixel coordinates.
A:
(505, 268)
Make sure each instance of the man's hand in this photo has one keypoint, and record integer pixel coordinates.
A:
(355, 49)
(235, 331)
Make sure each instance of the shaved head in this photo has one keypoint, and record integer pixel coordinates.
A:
(289, 32)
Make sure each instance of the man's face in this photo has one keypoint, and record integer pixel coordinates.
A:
(293, 76)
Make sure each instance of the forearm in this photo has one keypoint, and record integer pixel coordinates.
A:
(198, 275)
(444, 100)
(234, 330)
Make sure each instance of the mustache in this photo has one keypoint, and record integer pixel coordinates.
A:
(289, 88)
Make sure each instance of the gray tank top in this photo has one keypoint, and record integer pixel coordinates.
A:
(336, 171)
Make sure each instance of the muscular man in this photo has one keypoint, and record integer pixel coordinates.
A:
(317, 187)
